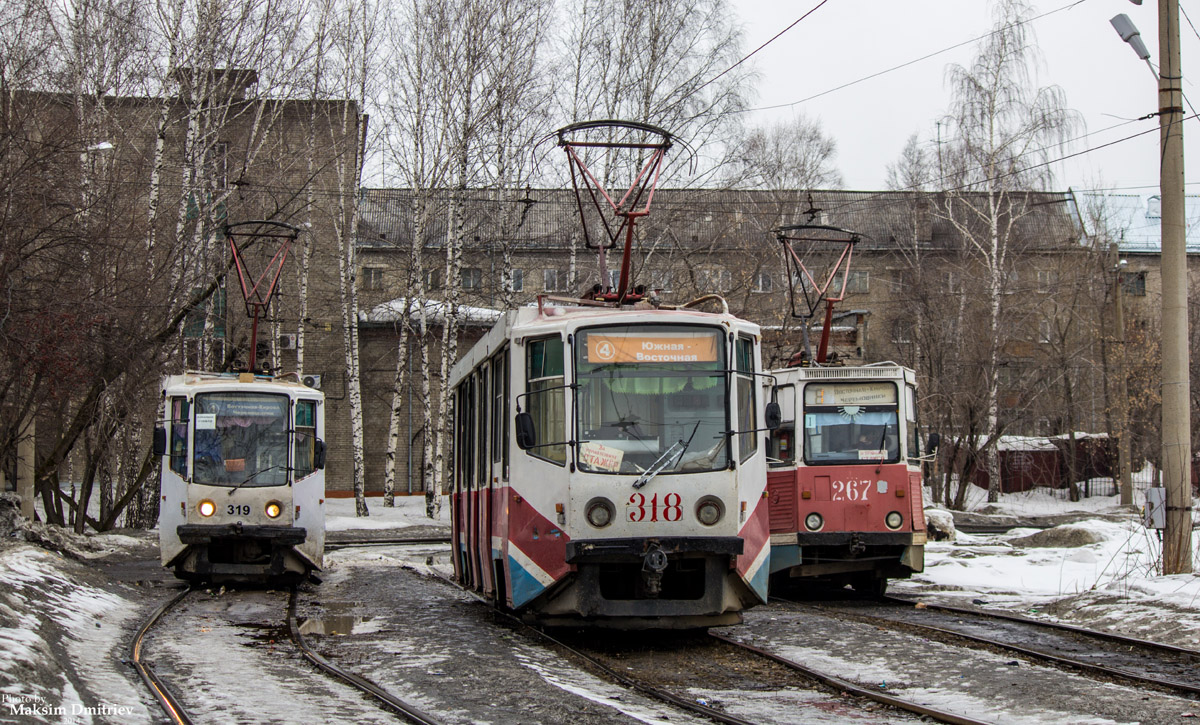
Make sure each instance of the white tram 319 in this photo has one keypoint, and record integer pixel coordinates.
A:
(609, 466)
(243, 485)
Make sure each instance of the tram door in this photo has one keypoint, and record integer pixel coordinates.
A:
(483, 459)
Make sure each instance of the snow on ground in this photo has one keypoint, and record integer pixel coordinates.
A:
(54, 626)
(63, 632)
(1115, 583)
(408, 511)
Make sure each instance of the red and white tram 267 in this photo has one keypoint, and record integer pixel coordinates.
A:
(844, 477)
(610, 467)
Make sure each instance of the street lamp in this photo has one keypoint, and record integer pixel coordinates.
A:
(1176, 386)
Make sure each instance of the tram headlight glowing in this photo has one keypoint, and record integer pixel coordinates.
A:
(813, 522)
(894, 520)
(206, 508)
(709, 510)
(273, 509)
(599, 512)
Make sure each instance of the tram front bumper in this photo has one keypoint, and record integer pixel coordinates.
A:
(653, 577)
(235, 550)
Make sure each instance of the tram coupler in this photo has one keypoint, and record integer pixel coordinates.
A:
(654, 563)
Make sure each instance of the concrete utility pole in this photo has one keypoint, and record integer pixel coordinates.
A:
(1176, 388)
(1122, 406)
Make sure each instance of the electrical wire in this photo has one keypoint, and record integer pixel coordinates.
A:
(911, 62)
(749, 55)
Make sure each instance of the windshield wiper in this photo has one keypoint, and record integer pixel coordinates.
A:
(254, 476)
(665, 459)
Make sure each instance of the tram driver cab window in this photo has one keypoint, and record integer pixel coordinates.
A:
(546, 398)
(240, 439)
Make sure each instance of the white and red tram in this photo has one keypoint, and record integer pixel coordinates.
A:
(243, 485)
(844, 477)
(609, 466)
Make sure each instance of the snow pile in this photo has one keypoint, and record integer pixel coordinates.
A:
(54, 629)
(939, 523)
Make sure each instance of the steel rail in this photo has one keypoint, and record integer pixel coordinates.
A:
(167, 699)
(1110, 636)
(401, 541)
(413, 714)
(1062, 661)
(848, 686)
(648, 690)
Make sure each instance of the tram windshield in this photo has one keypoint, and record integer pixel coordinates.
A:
(651, 397)
(847, 423)
(240, 439)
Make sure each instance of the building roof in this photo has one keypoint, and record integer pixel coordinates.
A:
(435, 312)
(549, 218)
(1133, 221)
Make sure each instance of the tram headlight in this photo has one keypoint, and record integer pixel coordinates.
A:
(206, 508)
(709, 510)
(273, 509)
(894, 520)
(813, 522)
(599, 512)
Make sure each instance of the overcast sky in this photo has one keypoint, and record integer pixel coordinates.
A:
(847, 40)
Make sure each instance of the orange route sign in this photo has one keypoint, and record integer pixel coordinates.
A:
(653, 348)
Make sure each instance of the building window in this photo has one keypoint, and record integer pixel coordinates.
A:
(472, 278)
(1045, 331)
(660, 280)
(555, 280)
(517, 277)
(372, 278)
(1134, 283)
(433, 279)
(953, 283)
(764, 282)
(903, 332)
(714, 280)
(859, 282)
(1047, 280)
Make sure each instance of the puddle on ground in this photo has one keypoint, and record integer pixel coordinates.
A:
(337, 618)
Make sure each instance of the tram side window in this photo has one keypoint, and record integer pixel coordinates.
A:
(305, 437)
(546, 399)
(910, 415)
(782, 448)
(747, 441)
(179, 431)
(500, 411)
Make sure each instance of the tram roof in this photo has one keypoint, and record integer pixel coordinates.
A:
(233, 381)
(532, 319)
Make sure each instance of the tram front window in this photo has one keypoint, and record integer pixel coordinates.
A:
(240, 439)
(848, 423)
(651, 397)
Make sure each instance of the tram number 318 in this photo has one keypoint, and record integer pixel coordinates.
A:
(640, 509)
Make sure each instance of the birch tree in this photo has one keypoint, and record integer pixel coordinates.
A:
(357, 42)
(1002, 127)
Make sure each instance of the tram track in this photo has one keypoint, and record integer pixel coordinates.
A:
(350, 543)
(158, 687)
(797, 675)
(1172, 669)
(176, 712)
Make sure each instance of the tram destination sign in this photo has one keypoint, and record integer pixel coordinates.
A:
(652, 348)
(850, 394)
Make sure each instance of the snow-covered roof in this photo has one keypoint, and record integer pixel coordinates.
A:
(435, 312)
(1133, 221)
(1026, 443)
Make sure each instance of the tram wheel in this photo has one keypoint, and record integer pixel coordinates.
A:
(870, 585)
